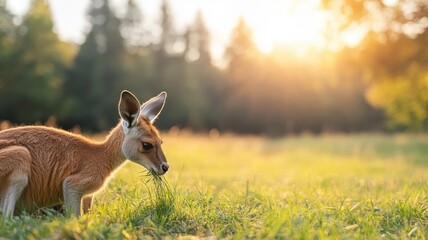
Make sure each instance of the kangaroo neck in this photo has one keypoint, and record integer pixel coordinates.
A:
(111, 149)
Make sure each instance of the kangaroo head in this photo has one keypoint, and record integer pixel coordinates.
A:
(142, 143)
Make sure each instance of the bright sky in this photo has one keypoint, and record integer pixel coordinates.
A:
(286, 22)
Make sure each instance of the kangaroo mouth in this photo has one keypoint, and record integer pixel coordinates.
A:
(154, 168)
(157, 173)
(154, 172)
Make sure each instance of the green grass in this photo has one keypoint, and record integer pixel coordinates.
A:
(328, 187)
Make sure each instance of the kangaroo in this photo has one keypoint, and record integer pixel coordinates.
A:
(43, 166)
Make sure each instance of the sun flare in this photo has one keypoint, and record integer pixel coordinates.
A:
(299, 25)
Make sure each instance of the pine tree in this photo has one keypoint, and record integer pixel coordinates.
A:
(7, 37)
(163, 49)
(203, 39)
(7, 27)
(241, 47)
(243, 80)
(197, 41)
(132, 27)
(96, 80)
(167, 38)
(41, 60)
(202, 77)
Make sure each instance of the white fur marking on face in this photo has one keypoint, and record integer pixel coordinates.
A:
(125, 126)
(135, 118)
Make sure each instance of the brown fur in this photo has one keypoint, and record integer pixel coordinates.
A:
(51, 157)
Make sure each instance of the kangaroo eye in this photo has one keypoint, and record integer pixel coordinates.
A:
(147, 146)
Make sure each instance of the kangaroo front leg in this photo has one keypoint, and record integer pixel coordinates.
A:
(15, 163)
(16, 186)
(87, 203)
(72, 197)
(1, 202)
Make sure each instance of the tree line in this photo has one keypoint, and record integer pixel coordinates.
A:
(379, 84)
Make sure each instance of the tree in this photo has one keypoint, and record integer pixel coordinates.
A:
(241, 47)
(94, 84)
(132, 28)
(399, 83)
(40, 62)
(7, 27)
(197, 40)
(139, 59)
(7, 37)
(203, 79)
(242, 76)
(168, 35)
(393, 55)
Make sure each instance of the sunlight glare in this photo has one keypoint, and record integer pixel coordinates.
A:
(300, 25)
(353, 36)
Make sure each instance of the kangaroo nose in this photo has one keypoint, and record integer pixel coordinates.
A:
(164, 167)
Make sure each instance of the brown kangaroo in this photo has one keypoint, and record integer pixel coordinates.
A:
(44, 167)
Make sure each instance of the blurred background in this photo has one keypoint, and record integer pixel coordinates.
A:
(247, 66)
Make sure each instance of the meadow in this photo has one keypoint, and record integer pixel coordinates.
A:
(363, 186)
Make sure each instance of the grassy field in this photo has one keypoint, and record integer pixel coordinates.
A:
(327, 187)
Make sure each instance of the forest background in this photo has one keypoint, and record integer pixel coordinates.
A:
(370, 74)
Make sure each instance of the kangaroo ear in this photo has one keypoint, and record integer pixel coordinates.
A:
(129, 109)
(152, 108)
